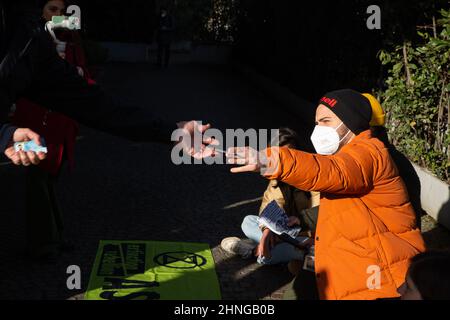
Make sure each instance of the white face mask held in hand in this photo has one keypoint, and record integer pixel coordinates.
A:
(326, 139)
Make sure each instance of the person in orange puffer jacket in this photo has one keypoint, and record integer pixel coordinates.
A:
(366, 232)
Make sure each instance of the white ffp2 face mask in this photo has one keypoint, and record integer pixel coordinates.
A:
(326, 140)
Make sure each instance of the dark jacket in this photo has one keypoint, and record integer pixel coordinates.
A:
(166, 29)
(31, 68)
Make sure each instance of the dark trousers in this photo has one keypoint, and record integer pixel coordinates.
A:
(43, 216)
(163, 52)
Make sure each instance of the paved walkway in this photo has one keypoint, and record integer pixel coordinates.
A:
(123, 190)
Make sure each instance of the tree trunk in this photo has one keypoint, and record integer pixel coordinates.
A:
(408, 72)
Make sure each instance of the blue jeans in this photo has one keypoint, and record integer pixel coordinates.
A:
(281, 253)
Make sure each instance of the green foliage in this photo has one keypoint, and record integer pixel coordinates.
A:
(313, 47)
(207, 20)
(136, 20)
(417, 99)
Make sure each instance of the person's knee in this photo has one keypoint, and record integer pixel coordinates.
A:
(249, 223)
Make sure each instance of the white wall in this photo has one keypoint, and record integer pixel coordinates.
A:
(435, 196)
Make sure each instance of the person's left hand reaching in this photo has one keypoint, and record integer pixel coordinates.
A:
(191, 130)
(251, 160)
(24, 158)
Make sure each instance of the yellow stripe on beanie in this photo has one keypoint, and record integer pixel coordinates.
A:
(378, 115)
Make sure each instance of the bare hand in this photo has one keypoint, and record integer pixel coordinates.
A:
(268, 241)
(24, 158)
(193, 129)
(265, 162)
(248, 158)
(80, 71)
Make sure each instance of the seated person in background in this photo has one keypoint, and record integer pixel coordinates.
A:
(262, 242)
(428, 277)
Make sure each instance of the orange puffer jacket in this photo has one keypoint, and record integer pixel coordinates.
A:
(366, 222)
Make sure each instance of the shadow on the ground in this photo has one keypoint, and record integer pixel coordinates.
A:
(437, 237)
(250, 281)
(444, 213)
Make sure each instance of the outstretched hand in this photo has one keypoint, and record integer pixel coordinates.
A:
(248, 159)
(24, 158)
(191, 130)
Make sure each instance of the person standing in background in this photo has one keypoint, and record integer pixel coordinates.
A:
(164, 36)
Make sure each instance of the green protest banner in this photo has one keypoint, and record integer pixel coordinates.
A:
(152, 270)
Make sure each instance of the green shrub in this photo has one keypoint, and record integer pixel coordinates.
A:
(418, 97)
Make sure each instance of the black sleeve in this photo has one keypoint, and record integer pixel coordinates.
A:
(6, 135)
(172, 23)
(56, 85)
(6, 130)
